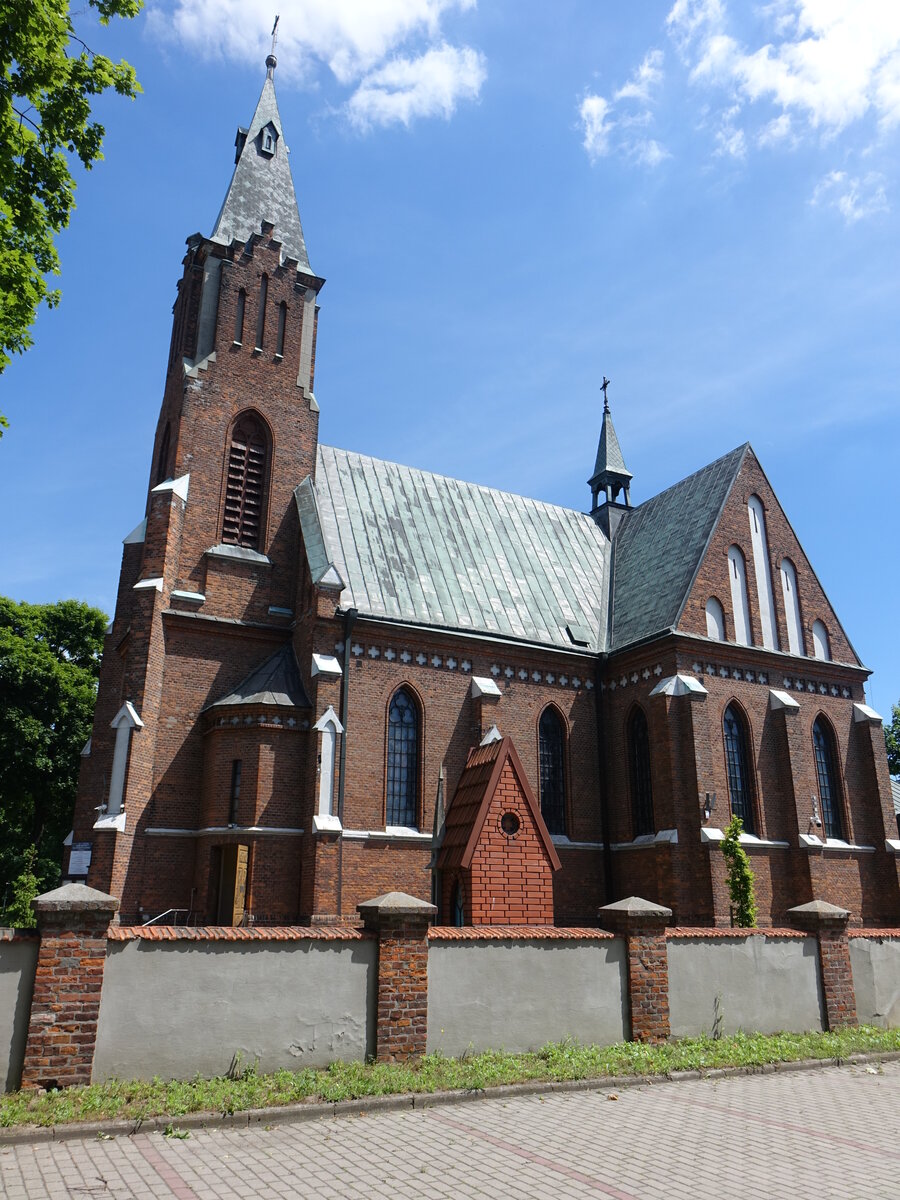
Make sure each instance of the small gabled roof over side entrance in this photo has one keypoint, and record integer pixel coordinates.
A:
(472, 799)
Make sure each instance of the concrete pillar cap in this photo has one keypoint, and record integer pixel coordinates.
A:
(635, 906)
(396, 904)
(75, 897)
(819, 910)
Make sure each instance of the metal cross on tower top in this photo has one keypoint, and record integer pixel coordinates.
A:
(275, 33)
(603, 386)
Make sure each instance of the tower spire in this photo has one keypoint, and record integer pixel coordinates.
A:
(610, 476)
(261, 188)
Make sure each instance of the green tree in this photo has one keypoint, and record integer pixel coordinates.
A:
(892, 741)
(18, 913)
(740, 876)
(49, 663)
(48, 81)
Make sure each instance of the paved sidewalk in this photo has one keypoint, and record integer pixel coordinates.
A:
(805, 1135)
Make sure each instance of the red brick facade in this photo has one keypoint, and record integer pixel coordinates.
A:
(210, 618)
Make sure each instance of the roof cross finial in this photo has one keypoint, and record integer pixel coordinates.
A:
(271, 60)
(603, 386)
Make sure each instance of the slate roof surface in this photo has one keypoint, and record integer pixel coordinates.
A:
(659, 546)
(425, 549)
(262, 188)
(276, 682)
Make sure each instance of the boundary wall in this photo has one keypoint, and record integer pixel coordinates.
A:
(87, 1000)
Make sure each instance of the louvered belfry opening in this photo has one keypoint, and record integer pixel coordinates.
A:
(245, 485)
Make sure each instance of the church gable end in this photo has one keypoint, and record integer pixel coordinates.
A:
(755, 570)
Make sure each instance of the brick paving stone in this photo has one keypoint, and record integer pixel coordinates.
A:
(817, 1135)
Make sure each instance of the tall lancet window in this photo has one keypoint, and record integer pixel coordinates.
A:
(737, 575)
(639, 770)
(239, 317)
(402, 761)
(245, 483)
(282, 322)
(737, 762)
(763, 572)
(792, 607)
(829, 791)
(261, 312)
(551, 752)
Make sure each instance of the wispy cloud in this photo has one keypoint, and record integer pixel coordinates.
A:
(608, 125)
(854, 198)
(392, 54)
(427, 86)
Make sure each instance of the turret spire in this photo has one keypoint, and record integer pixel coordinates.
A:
(610, 476)
(261, 188)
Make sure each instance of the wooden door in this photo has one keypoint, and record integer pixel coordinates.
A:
(235, 859)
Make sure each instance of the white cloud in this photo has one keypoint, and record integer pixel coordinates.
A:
(650, 152)
(829, 61)
(427, 86)
(599, 116)
(854, 198)
(595, 121)
(384, 50)
(777, 131)
(731, 143)
(644, 79)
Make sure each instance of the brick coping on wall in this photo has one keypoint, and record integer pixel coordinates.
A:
(488, 933)
(228, 933)
(677, 933)
(873, 933)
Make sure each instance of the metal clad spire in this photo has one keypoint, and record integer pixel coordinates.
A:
(610, 473)
(262, 188)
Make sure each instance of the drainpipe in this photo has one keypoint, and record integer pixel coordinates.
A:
(349, 621)
(609, 890)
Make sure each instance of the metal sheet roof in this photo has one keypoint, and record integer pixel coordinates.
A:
(422, 548)
(275, 682)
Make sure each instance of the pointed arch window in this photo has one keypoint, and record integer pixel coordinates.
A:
(282, 322)
(737, 574)
(829, 789)
(402, 761)
(245, 483)
(737, 762)
(639, 770)
(821, 641)
(551, 753)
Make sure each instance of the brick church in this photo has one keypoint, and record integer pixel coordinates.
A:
(330, 676)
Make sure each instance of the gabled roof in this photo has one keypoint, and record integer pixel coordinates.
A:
(274, 682)
(472, 799)
(262, 188)
(658, 549)
(420, 548)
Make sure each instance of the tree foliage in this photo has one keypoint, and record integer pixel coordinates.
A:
(48, 81)
(740, 876)
(49, 663)
(892, 740)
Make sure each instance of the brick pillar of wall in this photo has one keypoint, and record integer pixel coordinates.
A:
(401, 923)
(643, 926)
(829, 923)
(62, 1032)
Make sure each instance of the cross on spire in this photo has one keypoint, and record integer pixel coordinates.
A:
(271, 60)
(603, 386)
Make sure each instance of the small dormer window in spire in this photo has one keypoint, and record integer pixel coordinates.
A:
(268, 139)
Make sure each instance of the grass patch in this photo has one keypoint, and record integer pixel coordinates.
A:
(348, 1081)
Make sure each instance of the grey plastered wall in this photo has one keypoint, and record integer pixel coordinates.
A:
(175, 1008)
(756, 983)
(18, 960)
(519, 994)
(875, 963)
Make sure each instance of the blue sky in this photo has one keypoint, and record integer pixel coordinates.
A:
(698, 198)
